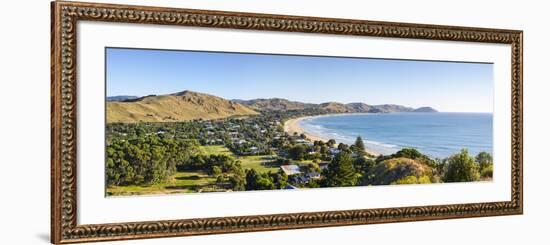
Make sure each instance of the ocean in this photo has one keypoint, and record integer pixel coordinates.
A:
(437, 135)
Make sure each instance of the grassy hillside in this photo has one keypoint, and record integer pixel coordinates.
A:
(278, 104)
(275, 104)
(400, 170)
(183, 106)
(335, 107)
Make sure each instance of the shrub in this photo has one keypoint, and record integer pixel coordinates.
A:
(424, 179)
(461, 167)
(487, 172)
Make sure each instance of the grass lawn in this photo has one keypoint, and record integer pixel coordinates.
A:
(248, 162)
(215, 149)
(302, 162)
(258, 163)
(181, 182)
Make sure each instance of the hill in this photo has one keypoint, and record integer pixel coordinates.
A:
(182, 106)
(400, 170)
(359, 107)
(387, 108)
(121, 98)
(278, 104)
(425, 109)
(336, 107)
(189, 105)
(275, 104)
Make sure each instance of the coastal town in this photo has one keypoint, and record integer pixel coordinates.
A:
(290, 152)
(265, 150)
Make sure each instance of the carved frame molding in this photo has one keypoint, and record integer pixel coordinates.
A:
(65, 16)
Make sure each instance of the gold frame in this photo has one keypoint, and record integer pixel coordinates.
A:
(65, 16)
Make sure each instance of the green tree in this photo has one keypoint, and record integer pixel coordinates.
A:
(297, 152)
(340, 171)
(487, 172)
(484, 160)
(216, 171)
(363, 165)
(251, 179)
(461, 167)
(280, 179)
(238, 179)
(343, 147)
(359, 146)
(323, 150)
(144, 159)
(264, 182)
(257, 181)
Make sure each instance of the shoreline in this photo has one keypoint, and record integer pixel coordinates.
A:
(292, 126)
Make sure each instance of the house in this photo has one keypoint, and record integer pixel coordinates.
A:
(301, 141)
(334, 151)
(291, 169)
(300, 179)
(254, 150)
(313, 175)
(240, 142)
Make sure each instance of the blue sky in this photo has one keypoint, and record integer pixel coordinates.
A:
(446, 86)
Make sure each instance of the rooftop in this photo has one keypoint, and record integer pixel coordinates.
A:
(291, 169)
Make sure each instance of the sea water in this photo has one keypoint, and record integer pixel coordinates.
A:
(438, 134)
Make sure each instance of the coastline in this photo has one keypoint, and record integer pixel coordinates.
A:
(293, 126)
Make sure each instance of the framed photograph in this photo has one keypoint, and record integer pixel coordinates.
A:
(176, 122)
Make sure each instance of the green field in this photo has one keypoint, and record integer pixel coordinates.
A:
(215, 149)
(181, 182)
(195, 181)
(260, 163)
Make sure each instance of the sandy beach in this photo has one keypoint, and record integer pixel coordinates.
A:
(293, 126)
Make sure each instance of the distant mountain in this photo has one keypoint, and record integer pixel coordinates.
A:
(425, 109)
(359, 107)
(386, 108)
(182, 106)
(189, 105)
(275, 104)
(336, 107)
(121, 98)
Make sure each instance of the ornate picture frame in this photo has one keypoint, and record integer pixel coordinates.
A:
(64, 107)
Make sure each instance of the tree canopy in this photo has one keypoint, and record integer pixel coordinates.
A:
(340, 171)
(461, 167)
